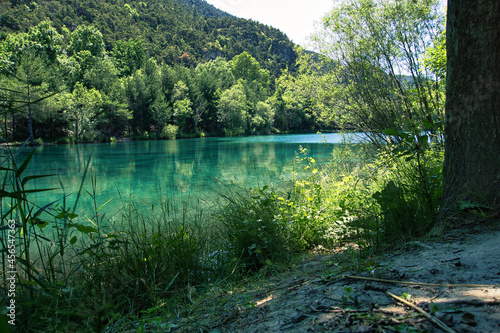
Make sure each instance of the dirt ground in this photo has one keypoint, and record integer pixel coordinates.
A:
(456, 279)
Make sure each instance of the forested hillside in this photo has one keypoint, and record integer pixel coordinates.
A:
(96, 70)
(174, 31)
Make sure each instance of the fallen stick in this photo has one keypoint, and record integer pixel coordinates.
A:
(424, 284)
(432, 319)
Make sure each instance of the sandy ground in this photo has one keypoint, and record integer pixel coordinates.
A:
(457, 281)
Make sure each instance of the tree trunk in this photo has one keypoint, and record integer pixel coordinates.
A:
(76, 130)
(472, 127)
(30, 118)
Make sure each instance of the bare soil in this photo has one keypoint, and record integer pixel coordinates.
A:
(456, 280)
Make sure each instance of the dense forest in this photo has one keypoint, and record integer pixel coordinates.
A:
(158, 69)
(173, 31)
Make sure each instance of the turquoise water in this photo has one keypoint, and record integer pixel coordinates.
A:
(184, 170)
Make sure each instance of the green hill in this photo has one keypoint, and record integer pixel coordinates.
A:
(175, 31)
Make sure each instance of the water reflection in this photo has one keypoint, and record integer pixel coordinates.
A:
(184, 169)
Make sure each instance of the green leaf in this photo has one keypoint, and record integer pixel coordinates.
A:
(25, 164)
(65, 214)
(427, 124)
(423, 140)
(391, 131)
(434, 308)
(27, 179)
(73, 240)
(82, 228)
(251, 248)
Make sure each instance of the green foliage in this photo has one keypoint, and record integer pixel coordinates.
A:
(378, 77)
(42, 41)
(410, 199)
(168, 29)
(394, 197)
(246, 67)
(232, 110)
(87, 38)
(250, 227)
(139, 80)
(170, 132)
(181, 110)
(263, 120)
(83, 106)
(129, 55)
(306, 209)
(435, 56)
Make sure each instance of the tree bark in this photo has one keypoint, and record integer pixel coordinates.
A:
(472, 127)
(30, 118)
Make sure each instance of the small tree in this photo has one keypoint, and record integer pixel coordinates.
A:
(83, 105)
(27, 60)
(232, 110)
(262, 121)
(29, 85)
(182, 108)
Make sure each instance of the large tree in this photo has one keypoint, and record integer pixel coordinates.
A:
(472, 129)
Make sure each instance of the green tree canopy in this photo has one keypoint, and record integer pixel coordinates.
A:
(129, 55)
(232, 110)
(87, 38)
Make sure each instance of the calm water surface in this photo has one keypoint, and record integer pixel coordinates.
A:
(184, 170)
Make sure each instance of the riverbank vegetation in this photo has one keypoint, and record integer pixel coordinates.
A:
(382, 73)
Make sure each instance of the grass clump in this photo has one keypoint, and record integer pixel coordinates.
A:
(251, 230)
(84, 273)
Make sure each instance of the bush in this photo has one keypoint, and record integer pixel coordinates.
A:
(251, 230)
(409, 199)
(170, 132)
(392, 198)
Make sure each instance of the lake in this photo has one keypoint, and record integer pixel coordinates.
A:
(183, 170)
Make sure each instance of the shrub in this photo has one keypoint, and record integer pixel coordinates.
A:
(170, 132)
(251, 230)
(410, 197)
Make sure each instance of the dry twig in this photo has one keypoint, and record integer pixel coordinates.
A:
(425, 284)
(432, 319)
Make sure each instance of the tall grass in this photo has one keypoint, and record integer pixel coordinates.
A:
(83, 272)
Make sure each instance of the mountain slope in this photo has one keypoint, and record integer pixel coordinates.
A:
(205, 9)
(175, 31)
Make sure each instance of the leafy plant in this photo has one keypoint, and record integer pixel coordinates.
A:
(252, 231)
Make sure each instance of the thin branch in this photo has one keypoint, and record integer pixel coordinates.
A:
(424, 284)
(432, 319)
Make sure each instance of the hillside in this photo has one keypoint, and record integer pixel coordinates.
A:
(187, 31)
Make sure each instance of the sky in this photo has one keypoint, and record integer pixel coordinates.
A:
(296, 18)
